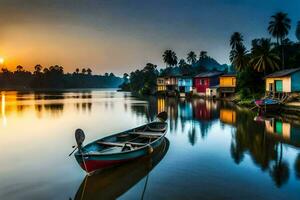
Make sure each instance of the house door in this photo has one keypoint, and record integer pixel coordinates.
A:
(278, 86)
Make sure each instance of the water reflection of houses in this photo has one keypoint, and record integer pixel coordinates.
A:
(205, 109)
(228, 116)
(283, 131)
(205, 112)
(170, 105)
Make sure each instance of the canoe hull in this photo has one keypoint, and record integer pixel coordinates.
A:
(269, 105)
(97, 162)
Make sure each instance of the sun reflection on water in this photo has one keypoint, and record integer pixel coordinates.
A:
(3, 116)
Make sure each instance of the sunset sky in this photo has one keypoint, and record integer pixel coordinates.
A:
(122, 35)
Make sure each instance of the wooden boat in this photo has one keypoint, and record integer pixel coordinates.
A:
(267, 104)
(113, 182)
(121, 147)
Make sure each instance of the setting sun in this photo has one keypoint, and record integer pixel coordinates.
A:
(1, 60)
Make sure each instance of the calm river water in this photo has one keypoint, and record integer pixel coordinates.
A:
(214, 150)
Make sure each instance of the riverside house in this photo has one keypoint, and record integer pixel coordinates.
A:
(167, 85)
(206, 80)
(185, 85)
(161, 84)
(283, 82)
(227, 85)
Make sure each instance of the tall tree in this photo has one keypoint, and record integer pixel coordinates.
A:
(170, 58)
(298, 31)
(77, 70)
(181, 63)
(37, 69)
(19, 68)
(236, 39)
(89, 71)
(279, 27)
(263, 56)
(239, 57)
(191, 57)
(83, 71)
(203, 55)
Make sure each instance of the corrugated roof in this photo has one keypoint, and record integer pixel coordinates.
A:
(283, 73)
(228, 75)
(209, 74)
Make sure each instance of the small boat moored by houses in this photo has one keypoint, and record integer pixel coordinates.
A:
(121, 147)
(267, 104)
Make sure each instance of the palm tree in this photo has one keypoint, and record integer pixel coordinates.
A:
(263, 56)
(239, 57)
(77, 70)
(236, 39)
(280, 170)
(191, 57)
(203, 55)
(181, 63)
(279, 27)
(83, 71)
(170, 58)
(298, 31)
(37, 69)
(89, 71)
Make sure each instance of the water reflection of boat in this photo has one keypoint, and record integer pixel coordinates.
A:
(113, 182)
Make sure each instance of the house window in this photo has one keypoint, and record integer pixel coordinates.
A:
(202, 82)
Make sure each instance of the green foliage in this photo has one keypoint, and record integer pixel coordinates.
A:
(142, 81)
(191, 57)
(263, 56)
(250, 83)
(170, 58)
(54, 78)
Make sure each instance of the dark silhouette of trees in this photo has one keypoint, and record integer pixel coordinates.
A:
(89, 71)
(203, 55)
(236, 39)
(263, 56)
(54, 78)
(142, 81)
(19, 68)
(279, 27)
(239, 57)
(37, 69)
(191, 58)
(170, 58)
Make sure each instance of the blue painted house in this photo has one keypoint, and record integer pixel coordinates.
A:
(285, 81)
(185, 84)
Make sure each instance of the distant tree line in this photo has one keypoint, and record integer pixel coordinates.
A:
(265, 56)
(54, 77)
(144, 81)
